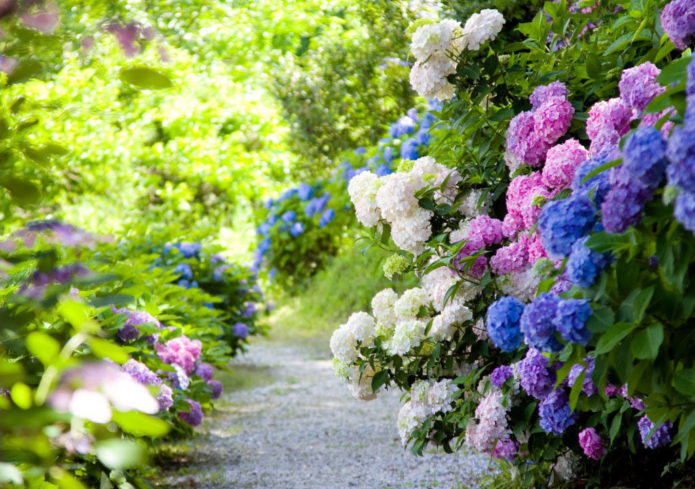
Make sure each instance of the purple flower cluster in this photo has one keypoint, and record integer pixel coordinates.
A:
(562, 222)
(535, 375)
(537, 323)
(500, 375)
(570, 320)
(505, 449)
(141, 373)
(216, 387)
(589, 388)
(502, 323)
(608, 121)
(638, 86)
(555, 413)
(678, 21)
(659, 438)
(531, 134)
(633, 183)
(195, 415)
(205, 371)
(165, 398)
(129, 330)
(36, 287)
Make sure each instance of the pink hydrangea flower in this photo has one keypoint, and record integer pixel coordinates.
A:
(612, 114)
(523, 142)
(553, 119)
(510, 258)
(180, 351)
(543, 92)
(485, 230)
(536, 251)
(512, 224)
(561, 162)
(518, 188)
(533, 204)
(591, 443)
(652, 119)
(505, 449)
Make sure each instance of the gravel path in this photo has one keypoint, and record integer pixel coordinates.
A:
(301, 429)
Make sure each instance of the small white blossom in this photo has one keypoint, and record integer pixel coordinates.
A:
(409, 304)
(482, 27)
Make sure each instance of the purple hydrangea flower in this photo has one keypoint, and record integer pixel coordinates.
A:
(555, 413)
(129, 331)
(684, 210)
(241, 330)
(505, 449)
(562, 284)
(305, 191)
(205, 371)
(596, 187)
(289, 216)
(500, 375)
(644, 157)
(678, 21)
(544, 92)
(552, 119)
(570, 320)
(681, 154)
(195, 415)
(562, 222)
(535, 375)
(141, 373)
(589, 388)
(537, 323)
(217, 388)
(623, 207)
(638, 85)
(661, 436)
(297, 229)
(184, 269)
(591, 443)
(502, 323)
(165, 398)
(327, 216)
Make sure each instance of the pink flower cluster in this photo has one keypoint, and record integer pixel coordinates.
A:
(609, 120)
(180, 351)
(591, 443)
(491, 428)
(483, 231)
(531, 134)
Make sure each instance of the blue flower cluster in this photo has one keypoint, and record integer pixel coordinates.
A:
(537, 323)
(660, 436)
(584, 264)
(562, 222)
(570, 320)
(502, 322)
(555, 413)
(633, 183)
(596, 187)
(535, 375)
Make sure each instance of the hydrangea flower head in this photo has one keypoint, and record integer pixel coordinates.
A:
(659, 438)
(562, 222)
(596, 187)
(503, 323)
(555, 413)
(584, 264)
(678, 21)
(570, 320)
(535, 375)
(681, 155)
(561, 162)
(591, 443)
(482, 27)
(537, 322)
(608, 115)
(180, 351)
(553, 119)
(542, 93)
(588, 387)
(217, 388)
(141, 373)
(684, 210)
(500, 375)
(194, 416)
(638, 86)
(523, 143)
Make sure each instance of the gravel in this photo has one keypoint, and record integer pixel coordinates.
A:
(301, 429)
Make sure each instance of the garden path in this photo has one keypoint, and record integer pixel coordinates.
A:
(288, 423)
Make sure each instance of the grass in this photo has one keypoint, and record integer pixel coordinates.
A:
(346, 285)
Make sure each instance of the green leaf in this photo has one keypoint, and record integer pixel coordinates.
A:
(379, 379)
(613, 336)
(601, 319)
(577, 389)
(635, 305)
(121, 454)
(684, 381)
(143, 77)
(107, 349)
(593, 66)
(43, 347)
(674, 71)
(607, 242)
(21, 395)
(615, 426)
(112, 300)
(141, 424)
(646, 343)
(21, 190)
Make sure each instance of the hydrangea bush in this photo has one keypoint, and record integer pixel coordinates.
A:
(549, 229)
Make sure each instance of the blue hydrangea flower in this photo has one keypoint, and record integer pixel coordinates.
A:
(241, 330)
(326, 217)
(537, 323)
(289, 216)
(535, 375)
(623, 207)
(596, 187)
(263, 229)
(287, 194)
(661, 436)
(423, 137)
(360, 150)
(297, 229)
(570, 320)
(184, 269)
(403, 125)
(588, 387)
(681, 154)
(409, 150)
(555, 413)
(264, 245)
(272, 219)
(268, 203)
(690, 80)
(562, 222)
(305, 191)
(584, 264)
(684, 210)
(189, 250)
(383, 170)
(388, 154)
(350, 174)
(412, 113)
(218, 273)
(644, 157)
(503, 323)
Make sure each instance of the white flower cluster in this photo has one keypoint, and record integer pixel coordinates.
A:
(521, 285)
(392, 198)
(438, 282)
(436, 47)
(426, 398)
(491, 425)
(444, 325)
(469, 205)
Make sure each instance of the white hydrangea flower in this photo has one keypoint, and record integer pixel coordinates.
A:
(396, 195)
(410, 233)
(440, 395)
(343, 345)
(362, 190)
(522, 285)
(360, 385)
(437, 283)
(382, 308)
(362, 327)
(461, 233)
(429, 79)
(409, 304)
(429, 39)
(482, 27)
(444, 325)
(407, 335)
(448, 194)
(469, 206)
(410, 416)
(341, 369)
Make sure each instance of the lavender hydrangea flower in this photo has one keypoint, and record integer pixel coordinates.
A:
(217, 388)
(297, 229)
(638, 85)
(644, 157)
(165, 398)
(184, 269)
(584, 264)
(562, 222)
(678, 21)
(684, 210)
(537, 323)
(588, 387)
(555, 413)
(327, 216)
(305, 191)
(661, 436)
(141, 373)
(241, 330)
(205, 371)
(505, 449)
(570, 320)
(503, 323)
(535, 375)
(500, 375)
(681, 155)
(596, 187)
(544, 92)
(129, 330)
(195, 415)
